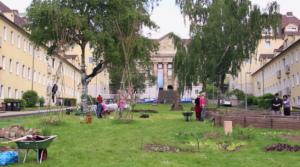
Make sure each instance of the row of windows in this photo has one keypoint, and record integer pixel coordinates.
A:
(9, 90)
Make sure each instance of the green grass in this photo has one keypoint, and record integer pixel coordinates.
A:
(108, 142)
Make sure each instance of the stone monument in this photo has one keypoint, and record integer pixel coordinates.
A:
(177, 104)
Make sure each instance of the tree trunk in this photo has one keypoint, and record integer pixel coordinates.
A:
(84, 84)
(219, 89)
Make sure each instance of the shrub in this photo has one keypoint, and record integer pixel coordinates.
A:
(260, 102)
(267, 103)
(239, 94)
(31, 98)
(250, 99)
(74, 99)
(267, 96)
(41, 100)
(255, 101)
(22, 102)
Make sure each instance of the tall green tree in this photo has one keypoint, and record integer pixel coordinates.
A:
(81, 22)
(224, 33)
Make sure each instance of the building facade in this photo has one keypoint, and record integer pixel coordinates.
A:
(258, 69)
(26, 67)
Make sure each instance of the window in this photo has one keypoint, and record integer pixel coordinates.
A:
(286, 43)
(29, 73)
(19, 42)
(90, 60)
(297, 78)
(248, 61)
(34, 75)
(10, 65)
(12, 37)
(268, 44)
(196, 91)
(53, 63)
(71, 47)
(293, 81)
(279, 65)
(170, 72)
(159, 65)
(44, 79)
(40, 55)
(17, 68)
(25, 45)
(4, 33)
(30, 49)
(23, 71)
(298, 100)
(288, 81)
(283, 63)
(3, 62)
(2, 92)
(169, 65)
(35, 52)
(40, 77)
(292, 58)
(276, 67)
(48, 81)
(267, 73)
(296, 56)
(287, 60)
(90, 45)
(16, 94)
(9, 92)
(45, 57)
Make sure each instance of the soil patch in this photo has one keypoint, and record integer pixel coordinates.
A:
(144, 110)
(8, 148)
(154, 147)
(292, 137)
(211, 136)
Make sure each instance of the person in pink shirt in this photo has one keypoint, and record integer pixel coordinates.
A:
(121, 107)
(104, 110)
(202, 106)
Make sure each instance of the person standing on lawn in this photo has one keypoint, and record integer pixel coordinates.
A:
(202, 106)
(99, 110)
(197, 108)
(287, 105)
(99, 99)
(276, 103)
(121, 107)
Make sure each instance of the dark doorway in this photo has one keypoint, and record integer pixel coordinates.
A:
(170, 87)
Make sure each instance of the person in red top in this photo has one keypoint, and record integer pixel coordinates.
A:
(202, 106)
(99, 99)
(197, 108)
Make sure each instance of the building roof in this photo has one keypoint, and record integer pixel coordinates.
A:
(17, 19)
(288, 19)
(266, 56)
(163, 37)
(280, 49)
(70, 56)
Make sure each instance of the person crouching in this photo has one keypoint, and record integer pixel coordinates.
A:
(104, 110)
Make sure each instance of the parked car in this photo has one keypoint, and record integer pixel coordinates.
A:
(148, 100)
(109, 101)
(226, 103)
(186, 100)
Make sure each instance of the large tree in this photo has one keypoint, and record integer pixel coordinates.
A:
(83, 21)
(224, 33)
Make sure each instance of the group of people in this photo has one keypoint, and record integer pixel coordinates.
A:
(277, 103)
(102, 109)
(200, 107)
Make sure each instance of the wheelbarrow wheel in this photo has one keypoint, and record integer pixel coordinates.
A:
(44, 155)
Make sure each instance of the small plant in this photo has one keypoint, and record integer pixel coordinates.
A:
(250, 130)
(41, 101)
(46, 131)
(31, 97)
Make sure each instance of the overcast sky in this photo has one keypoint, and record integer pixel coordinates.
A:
(167, 15)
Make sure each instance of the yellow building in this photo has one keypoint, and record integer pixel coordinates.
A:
(267, 49)
(25, 67)
(281, 73)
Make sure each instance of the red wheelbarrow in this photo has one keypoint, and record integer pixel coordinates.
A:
(36, 142)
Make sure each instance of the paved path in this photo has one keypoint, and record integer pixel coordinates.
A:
(19, 114)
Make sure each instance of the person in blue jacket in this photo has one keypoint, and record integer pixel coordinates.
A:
(99, 110)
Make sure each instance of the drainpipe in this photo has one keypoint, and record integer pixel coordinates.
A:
(74, 85)
(32, 70)
(263, 73)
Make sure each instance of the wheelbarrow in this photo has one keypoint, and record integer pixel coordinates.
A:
(188, 115)
(38, 143)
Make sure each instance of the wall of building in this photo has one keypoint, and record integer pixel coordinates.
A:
(24, 67)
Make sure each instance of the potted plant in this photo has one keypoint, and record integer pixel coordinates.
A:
(42, 101)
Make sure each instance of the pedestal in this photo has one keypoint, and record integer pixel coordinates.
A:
(227, 127)
(177, 106)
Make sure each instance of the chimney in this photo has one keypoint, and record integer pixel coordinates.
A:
(24, 18)
(16, 12)
(289, 13)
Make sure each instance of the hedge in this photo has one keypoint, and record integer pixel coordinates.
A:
(255, 100)
(250, 99)
(260, 102)
(31, 98)
(74, 99)
(268, 96)
(22, 102)
(267, 103)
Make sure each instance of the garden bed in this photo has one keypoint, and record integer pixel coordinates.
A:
(145, 110)
(154, 147)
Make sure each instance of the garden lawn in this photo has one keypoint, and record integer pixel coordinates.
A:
(111, 143)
